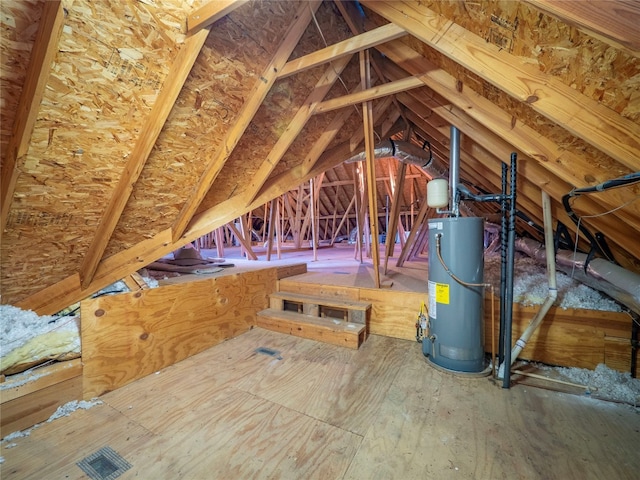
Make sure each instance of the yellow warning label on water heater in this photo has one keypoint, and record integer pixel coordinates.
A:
(442, 293)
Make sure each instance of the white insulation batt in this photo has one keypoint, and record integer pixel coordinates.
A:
(29, 339)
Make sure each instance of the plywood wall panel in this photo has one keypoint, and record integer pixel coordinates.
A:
(128, 336)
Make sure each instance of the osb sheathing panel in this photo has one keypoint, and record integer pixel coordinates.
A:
(274, 115)
(18, 28)
(583, 62)
(235, 54)
(112, 59)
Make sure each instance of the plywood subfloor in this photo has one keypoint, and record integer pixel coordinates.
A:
(326, 412)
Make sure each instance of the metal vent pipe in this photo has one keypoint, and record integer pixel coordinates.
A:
(454, 170)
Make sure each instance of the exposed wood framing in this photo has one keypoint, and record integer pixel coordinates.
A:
(614, 23)
(369, 141)
(295, 127)
(211, 12)
(42, 56)
(136, 161)
(369, 94)
(582, 116)
(345, 48)
(479, 114)
(394, 215)
(248, 110)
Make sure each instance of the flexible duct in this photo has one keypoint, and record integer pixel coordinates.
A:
(405, 152)
(611, 279)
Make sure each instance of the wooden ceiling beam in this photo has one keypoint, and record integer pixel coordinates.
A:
(613, 22)
(211, 12)
(341, 49)
(369, 94)
(245, 115)
(583, 116)
(135, 163)
(43, 54)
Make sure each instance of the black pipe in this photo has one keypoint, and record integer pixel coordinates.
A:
(468, 194)
(635, 319)
(503, 261)
(511, 248)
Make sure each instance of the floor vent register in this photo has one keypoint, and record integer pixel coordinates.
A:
(105, 464)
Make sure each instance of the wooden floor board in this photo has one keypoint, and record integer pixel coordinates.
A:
(321, 411)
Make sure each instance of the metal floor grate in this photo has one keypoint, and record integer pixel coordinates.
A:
(105, 464)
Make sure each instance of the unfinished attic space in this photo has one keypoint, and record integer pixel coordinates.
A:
(320, 239)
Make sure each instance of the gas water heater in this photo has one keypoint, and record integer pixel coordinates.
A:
(454, 336)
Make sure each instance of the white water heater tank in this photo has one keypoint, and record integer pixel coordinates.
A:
(438, 193)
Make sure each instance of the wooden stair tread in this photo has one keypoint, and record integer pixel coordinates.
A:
(328, 330)
(321, 300)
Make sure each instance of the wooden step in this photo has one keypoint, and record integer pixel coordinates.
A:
(350, 311)
(328, 330)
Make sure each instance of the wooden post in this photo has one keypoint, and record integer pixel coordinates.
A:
(278, 230)
(344, 218)
(396, 190)
(272, 220)
(367, 113)
(219, 237)
(314, 230)
(357, 182)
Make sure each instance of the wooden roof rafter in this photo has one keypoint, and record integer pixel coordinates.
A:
(135, 163)
(532, 175)
(297, 123)
(67, 291)
(245, 115)
(584, 117)
(346, 47)
(43, 55)
(470, 104)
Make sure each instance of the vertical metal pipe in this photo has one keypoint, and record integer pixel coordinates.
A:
(454, 169)
(634, 344)
(506, 379)
(503, 261)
